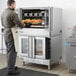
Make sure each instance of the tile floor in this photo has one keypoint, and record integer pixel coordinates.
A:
(55, 69)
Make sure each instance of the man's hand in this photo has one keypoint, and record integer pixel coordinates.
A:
(28, 25)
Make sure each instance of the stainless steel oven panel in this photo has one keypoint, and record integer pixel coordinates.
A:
(30, 47)
(34, 32)
(35, 8)
(56, 21)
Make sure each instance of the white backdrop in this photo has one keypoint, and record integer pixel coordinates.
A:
(68, 12)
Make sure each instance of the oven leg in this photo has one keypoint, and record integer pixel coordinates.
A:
(49, 65)
(23, 63)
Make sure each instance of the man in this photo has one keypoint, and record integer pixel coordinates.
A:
(9, 19)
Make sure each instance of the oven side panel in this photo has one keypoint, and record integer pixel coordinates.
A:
(56, 49)
(56, 21)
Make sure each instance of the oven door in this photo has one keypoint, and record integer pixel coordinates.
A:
(39, 18)
(24, 45)
(39, 47)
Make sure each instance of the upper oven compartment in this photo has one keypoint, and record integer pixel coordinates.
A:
(39, 18)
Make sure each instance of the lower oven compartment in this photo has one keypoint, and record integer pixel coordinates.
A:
(35, 47)
(41, 50)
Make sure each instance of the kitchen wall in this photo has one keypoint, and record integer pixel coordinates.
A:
(2, 7)
(68, 14)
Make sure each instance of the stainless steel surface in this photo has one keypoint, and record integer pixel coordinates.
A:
(56, 18)
(56, 49)
(53, 32)
(71, 53)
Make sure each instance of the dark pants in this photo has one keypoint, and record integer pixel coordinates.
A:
(11, 55)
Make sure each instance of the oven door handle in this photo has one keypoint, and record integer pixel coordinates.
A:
(33, 47)
(73, 45)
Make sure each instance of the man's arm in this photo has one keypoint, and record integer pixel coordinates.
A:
(17, 21)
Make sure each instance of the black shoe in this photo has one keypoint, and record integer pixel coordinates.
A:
(14, 72)
(16, 68)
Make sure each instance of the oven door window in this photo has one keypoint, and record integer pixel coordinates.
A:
(39, 18)
(25, 45)
(38, 47)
